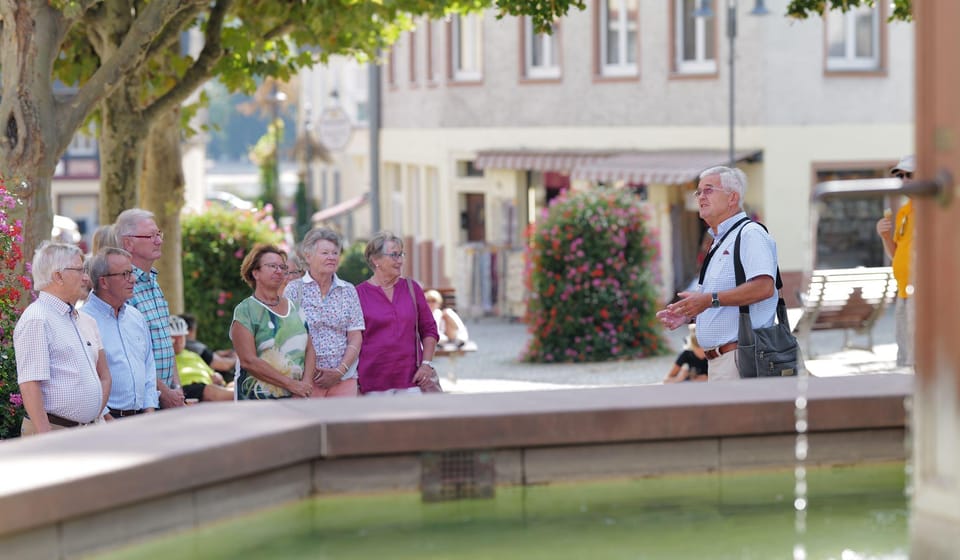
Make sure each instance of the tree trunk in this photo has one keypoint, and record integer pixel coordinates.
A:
(162, 192)
(31, 139)
(123, 138)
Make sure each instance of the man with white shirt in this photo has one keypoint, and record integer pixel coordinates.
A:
(56, 362)
(715, 305)
(125, 334)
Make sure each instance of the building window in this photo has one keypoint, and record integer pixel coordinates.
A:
(467, 168)
(541, 52)
(695, 43)
(853, 39)
(618, 37)
(412, 38)
(467, 47)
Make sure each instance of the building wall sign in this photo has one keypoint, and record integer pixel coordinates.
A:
(335, 128)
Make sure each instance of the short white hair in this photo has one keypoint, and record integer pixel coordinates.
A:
(49, 258)
(127, 221)
(731, 179)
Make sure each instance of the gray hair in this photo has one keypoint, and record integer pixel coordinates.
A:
(49, 258)
(314, 236)
(127, 221)
(100, 264)
(375, 245)
(731, 179)
(104, 236)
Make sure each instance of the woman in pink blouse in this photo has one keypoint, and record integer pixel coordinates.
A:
(391, 359)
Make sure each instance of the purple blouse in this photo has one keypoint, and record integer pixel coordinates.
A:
(390, 356)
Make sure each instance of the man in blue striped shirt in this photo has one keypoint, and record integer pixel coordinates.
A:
(125, 334)
(139, 235)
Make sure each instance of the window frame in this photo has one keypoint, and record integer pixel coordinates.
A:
(621, 69)
(700, 65)
(849, 62)
(458, 74)
(551, 45)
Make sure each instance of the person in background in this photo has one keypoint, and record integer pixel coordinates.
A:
(222, 361)
(126, 341)
(450, 326)
(269, 333)
(715, 304)
(691, 364)
(200, 381)
(897, 237)
(333, 314)
(104, 236)
(139, 235)
(392, 360)
(59, 381)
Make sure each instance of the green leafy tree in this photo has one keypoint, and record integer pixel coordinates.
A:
(802, 9)
(592, 295)
(214, 244)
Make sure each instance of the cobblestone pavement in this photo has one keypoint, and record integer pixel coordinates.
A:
(495, 366)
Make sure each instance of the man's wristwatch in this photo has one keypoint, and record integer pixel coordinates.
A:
(715, 301)
(427, 363)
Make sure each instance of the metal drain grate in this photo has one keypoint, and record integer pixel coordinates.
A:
(456, 475)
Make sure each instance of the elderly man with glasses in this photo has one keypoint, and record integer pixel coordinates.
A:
(715, 305)
(139, 235)
(897, 237)
(126, 339)
(61, 385)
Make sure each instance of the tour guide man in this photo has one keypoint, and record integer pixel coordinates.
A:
(716, 304)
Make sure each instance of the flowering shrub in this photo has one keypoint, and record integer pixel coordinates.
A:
(353, 267)
(214, 244)
(12, 285)
(588, 272)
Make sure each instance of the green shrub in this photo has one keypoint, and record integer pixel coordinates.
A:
(592, 294)
(353, 267)
(13, 283)
(214, 244)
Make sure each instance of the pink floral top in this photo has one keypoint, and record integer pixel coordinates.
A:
(329, 318)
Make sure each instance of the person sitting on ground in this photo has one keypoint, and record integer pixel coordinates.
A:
(199, 380)
(222, 361)
(691, 364)
(450, 326)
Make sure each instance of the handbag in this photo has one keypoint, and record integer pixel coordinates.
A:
(770, 351)
(433, 384)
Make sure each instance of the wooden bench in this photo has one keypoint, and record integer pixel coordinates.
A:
(848, 299)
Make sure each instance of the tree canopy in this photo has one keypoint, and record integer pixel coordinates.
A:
(802, 9)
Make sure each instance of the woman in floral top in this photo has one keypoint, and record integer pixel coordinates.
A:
(333, 314)
(270, 334)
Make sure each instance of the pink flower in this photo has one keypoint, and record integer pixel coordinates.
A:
(16, 399)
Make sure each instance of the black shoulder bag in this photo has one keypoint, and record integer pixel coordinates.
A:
(766, 352)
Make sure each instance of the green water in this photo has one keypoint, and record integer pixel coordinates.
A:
(854, 513)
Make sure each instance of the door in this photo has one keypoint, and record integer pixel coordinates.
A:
(937, 395)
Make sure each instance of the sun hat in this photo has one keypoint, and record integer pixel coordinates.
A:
(906, 164)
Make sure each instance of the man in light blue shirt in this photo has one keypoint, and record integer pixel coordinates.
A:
(125, 334)
(715, 305)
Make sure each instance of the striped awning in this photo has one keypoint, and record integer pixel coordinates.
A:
(331, 212)
(666, 167)
(561, 161)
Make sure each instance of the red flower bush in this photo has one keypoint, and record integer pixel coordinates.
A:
(590, 275)
(13, 284)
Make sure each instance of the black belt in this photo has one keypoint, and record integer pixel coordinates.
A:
(63, 422)
(121, 413)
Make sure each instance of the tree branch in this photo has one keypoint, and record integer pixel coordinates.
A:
(202, 68)
(148, 24)
(172, 30)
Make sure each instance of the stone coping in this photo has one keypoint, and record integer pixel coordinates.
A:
(71, 473)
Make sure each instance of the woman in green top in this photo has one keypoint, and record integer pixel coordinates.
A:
(269, 333)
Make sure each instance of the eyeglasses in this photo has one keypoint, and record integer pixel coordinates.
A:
(295, 272)
(126, 274)
(705, 191)
(274, 267)
(156, 235)
(79, 269)
(903, 175)
(395, 256)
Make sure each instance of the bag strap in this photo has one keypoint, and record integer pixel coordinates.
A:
(706, 260)
(741, 276)
(416, 318)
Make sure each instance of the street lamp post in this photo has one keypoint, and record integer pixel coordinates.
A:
(706, 11)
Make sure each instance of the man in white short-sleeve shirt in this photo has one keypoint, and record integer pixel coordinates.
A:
(57, 373)
(715, 304)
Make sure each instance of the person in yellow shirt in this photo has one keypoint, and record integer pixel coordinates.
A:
(897, 237)
(200, 381)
